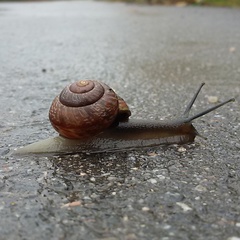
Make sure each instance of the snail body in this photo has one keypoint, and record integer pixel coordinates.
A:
(103, 124)
(127, 135)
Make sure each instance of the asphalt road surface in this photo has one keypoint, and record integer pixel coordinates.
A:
(155, 57)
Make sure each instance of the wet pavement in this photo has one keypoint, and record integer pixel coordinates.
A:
(153, 56)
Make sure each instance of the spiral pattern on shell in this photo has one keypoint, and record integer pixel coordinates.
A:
(83, 109)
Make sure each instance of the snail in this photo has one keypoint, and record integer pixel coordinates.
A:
(90, 117)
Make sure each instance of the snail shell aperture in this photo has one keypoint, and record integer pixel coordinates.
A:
(85, 108)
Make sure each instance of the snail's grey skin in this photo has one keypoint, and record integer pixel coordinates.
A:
(131, 134)
(128, 135)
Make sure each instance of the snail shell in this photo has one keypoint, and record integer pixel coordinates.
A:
(85, 108)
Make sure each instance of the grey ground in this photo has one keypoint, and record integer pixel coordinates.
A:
(153, 56)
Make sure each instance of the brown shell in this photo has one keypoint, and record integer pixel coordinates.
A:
(84, 109)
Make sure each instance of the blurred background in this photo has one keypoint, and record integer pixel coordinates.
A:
(223, 3)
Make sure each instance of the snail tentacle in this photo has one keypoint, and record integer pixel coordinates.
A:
(189, 106)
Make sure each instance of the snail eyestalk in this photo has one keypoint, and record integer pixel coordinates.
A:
(209, 110)
(189, 106)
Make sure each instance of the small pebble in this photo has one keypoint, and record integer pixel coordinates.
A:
(184, 206)
(200, 188)
(132, 158)
(182, 149)
(152, 180)
(83, 174)
(166, 227)
(232, 49)
(161, 177)
(233, 238)
(125, 218)
(145, 209)
(94, 196)
(152, 154)
(29, 171)
(6, 169)
(65, 221)
(212, 99)
(86, 198)
(72, 204)
(92, 179)
(105, 174)
(135, 169)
